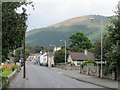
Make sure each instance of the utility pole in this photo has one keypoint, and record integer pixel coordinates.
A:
(24, 59)
(101, 56)
(101, 47)
(65, 50)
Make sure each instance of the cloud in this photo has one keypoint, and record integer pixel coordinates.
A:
(49, 12)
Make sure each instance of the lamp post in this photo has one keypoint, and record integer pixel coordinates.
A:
(65, 49)
(101, 47)
(101, 55)
(24, 59)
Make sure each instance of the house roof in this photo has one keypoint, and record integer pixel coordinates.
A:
(81, 56)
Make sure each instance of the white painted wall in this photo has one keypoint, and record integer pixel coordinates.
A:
(50, 61)
(70, 59)
(43, 58)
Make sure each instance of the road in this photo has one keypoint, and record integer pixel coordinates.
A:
(44, 77)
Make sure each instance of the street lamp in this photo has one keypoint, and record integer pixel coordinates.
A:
(65, 49)
(101, 47)
(24, 59)
(101, 57)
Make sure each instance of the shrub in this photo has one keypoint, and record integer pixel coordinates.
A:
(5, 82)
(85, 63)
(70, 63)
(15, 67)
(59, 56)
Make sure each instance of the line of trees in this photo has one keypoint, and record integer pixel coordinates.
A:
(78, 43)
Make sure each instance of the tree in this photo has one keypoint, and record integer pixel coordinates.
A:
(18, 54)
(75, 49)
(113, 52)
(13, 27)
(59, 56)
(97, 47)
(34, 49)
(80, 41)
(37, 49)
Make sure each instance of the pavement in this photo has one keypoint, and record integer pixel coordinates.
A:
(44, 77)
(89, 79)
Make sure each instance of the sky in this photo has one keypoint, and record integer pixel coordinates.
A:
(48, 12)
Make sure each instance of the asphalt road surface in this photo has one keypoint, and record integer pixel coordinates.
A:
(44, 77)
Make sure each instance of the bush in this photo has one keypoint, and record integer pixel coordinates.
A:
(15, 67)
(5, 82)
(59, 56)
(70, 63)
(85, 63)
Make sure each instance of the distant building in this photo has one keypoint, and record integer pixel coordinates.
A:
(47, 58)
(56, 49)
(43, 59)
(50, 59)
(78, 57)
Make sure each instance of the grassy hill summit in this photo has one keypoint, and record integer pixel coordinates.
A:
(89, 25)
(82, 20)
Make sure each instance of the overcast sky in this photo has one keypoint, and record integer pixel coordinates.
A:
(48, 12)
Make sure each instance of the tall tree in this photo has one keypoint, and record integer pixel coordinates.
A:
(113, 52)
(79, 40)
(97, 47)
(13, 26)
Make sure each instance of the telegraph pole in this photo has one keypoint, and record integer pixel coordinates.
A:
(24, 59)
(65, 50)
(101, 47)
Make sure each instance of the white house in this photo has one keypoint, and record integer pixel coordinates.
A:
(43, 59)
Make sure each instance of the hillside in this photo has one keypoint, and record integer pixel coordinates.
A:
(63, 30)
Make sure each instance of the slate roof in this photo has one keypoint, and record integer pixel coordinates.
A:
(81, 56)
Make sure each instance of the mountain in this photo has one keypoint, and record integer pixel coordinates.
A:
(90, 25)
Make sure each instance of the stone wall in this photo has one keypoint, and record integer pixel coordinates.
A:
(68, 67)
(88, 70)
(95, 71)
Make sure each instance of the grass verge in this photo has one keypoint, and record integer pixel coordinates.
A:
(5, 73)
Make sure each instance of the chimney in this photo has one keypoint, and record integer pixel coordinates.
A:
(85, 52)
